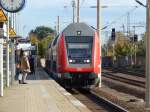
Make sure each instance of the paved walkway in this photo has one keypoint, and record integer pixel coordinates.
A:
(41, 94)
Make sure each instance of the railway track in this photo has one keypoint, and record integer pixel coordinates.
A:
(96, 103)
(124, 79)
(136, 72)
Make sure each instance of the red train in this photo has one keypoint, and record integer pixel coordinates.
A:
(73, 57)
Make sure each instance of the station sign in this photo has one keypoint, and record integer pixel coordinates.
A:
(23, 40)
(12, 33)
(3, 17)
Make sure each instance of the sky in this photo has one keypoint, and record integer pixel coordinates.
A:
(45, 12)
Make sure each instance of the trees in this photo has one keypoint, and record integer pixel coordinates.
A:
(120, 47)
(141, 48)
(41, 37)
(44, 45)
(41, 32)
(125, 48)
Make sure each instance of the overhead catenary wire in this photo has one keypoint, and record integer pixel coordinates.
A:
(66, 11)
(119, 18)
(83, 1)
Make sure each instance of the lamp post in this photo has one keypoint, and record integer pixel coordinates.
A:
(7, 55)
(147, 95)
(98, 7)
(99, 35)
(1, 68)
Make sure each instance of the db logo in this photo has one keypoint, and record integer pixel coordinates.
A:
(79, 69)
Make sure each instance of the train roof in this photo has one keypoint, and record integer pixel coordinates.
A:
(73, 28)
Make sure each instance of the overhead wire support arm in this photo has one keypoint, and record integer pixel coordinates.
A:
(140, 3)
(116, 20)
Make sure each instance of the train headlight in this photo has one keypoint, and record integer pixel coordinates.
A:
(87, 61)
(70, 61)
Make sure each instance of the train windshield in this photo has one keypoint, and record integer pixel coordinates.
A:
(79, 50)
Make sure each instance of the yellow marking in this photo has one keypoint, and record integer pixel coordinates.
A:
(12, 33)
(3, 17)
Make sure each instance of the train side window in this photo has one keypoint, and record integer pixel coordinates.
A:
(55, 41)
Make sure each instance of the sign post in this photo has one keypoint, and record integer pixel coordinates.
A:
(3, 19)
(1, 68)
(7, 56)
(12, 36)
(10, 6)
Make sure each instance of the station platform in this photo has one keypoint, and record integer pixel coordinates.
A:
(41, 94)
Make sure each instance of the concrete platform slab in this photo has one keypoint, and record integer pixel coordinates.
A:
(41, 94)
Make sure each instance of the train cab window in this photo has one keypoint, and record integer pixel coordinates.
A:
(78, 50)
(79, 39)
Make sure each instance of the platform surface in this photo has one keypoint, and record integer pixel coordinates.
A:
(41, 94)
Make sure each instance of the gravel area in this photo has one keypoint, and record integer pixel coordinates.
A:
(125, 88)
(127, 96)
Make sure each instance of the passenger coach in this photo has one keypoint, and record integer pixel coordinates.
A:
(74, 56)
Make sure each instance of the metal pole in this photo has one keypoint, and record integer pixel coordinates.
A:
(14, 27)
(58, 24)
(37, 56)
(134, 43)
(1, 68)
(12, 73)
(147, 95)
(14, 57)
(98, 17)
(128, 32)
(123, 27)
(73, 6)
(113, 53)
(7, 53)
(18, 21)
(78, 11)
(55, 27)
(128, 19)
(12, 52)
(135, 54)
(99, 34)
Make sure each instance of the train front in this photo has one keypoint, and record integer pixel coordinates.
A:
(79, 56)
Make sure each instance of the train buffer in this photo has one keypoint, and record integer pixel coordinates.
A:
(41, 94)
